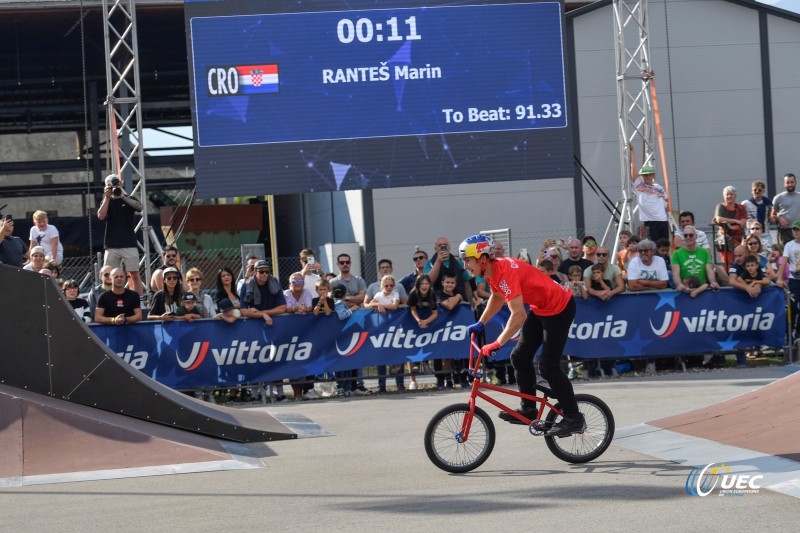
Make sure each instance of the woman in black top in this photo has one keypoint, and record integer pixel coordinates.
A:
(167, 300)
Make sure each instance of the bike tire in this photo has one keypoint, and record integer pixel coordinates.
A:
(589, 445)
(458, 457)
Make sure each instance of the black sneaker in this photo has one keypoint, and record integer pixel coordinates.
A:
(567, 426)
(527, 412)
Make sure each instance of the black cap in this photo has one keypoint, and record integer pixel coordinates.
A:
(189, 297)
(263, 263)
(225, 305)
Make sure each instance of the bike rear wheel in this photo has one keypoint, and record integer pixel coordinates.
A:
(442, 439)
(589, 445)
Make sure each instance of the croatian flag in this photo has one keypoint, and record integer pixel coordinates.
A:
(258, 79)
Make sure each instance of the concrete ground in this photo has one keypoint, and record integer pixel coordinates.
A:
(374, 474)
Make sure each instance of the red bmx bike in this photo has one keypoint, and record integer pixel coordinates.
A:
(460, 437)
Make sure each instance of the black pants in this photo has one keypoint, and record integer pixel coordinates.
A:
(657, 230)
(549, 332)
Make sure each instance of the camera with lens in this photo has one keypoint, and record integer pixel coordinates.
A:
(117, 190)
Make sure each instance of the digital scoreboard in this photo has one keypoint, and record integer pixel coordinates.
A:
(301, 96)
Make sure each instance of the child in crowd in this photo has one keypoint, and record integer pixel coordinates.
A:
(598, 283)
(323, 303)
(624, 237)
(388, 299)
(575, 283)
(662, 249)
(45, 235)
(693, 286)
(422, 304)
(227, 311)
(778, 265)
(188, 309)
(629, 252)
(547, 266)
(753, 274)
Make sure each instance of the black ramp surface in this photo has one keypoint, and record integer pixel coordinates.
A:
(45, 348)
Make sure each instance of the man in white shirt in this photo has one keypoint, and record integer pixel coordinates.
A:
(647, 271)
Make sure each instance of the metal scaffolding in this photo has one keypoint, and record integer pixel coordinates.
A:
(124, 105)
(634, 103)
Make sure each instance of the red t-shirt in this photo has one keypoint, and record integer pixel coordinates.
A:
(511, 278)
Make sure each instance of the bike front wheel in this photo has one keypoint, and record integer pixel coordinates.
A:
(447, 450)
(589, 445)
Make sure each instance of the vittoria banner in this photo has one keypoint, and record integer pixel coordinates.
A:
(211, 353)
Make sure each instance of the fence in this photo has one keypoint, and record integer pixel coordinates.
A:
(83, 269)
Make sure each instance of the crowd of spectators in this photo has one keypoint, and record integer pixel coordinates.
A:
(653, 257)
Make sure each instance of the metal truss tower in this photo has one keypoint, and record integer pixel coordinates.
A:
(124, 104)
(634, 103)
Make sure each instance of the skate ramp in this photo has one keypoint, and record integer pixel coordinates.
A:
(45, 440)
(757, 433)
(46, 349)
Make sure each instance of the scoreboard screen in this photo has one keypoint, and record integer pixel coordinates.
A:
(301, 96)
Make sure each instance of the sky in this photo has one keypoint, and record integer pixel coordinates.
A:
(788, 5)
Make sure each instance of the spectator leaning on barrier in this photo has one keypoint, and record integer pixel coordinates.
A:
(610, 277)
(298, 298)
(13, 251)
(647, 271)
(786, 209)
(167, 301)
(407, 281)
(118, 306)
(119, 210)
(189, 309)
(385, 269)
(46, 235)
(79, 305)
(225, 290)
(738, 272)
(227, 311)
(261, 297)
(692, 260)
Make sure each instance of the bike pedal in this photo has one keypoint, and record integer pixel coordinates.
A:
(538, 428)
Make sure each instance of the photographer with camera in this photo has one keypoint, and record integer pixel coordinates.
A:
(119, 211)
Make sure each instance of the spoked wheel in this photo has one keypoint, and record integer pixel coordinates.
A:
(443, 434)
(589, 445)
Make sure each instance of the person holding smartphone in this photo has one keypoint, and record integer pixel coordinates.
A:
(311, 271)
(13, 250)
(443, 262)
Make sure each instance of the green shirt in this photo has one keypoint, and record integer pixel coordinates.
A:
(692, 263)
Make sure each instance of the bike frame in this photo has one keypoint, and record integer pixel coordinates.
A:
(477, 385)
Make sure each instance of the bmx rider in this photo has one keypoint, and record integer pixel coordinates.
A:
(547, 324)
